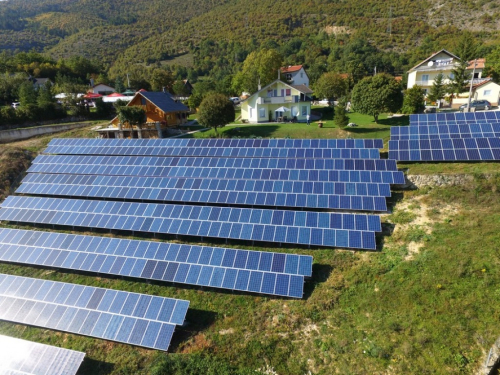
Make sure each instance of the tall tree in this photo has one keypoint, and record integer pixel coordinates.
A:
(119, 86)
(132, 116)
(331, 85)
(466, 47)
(377, 94)
(261, 65)
(45, 96)
(216, 111)
(438, 89)
(413, 101)
(493, 64)
(459, 78)
(27, 94)
(162, 79)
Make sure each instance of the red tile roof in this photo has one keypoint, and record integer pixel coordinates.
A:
(291, 68)
(479, 64)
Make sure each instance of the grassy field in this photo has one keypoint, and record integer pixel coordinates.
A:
(424, 303)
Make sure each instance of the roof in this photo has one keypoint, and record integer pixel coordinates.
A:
(164, 101)
(41, 81)
(303, 89)
(103, 84)
(433, 55)
(290, 68)
(398, 78)
(479, 64)
(482, 83)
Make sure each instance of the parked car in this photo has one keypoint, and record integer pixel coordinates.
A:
(15, 105)
(235, 100)
(477, 104)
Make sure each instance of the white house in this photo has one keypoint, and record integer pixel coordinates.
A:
(278, 101)
(486, 90)
(424, 73)
(295, 75)
(102, 89)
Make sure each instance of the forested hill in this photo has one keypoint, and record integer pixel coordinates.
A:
(122, 32)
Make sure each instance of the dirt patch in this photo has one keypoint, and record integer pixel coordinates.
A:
(13, 164)
(420, 217)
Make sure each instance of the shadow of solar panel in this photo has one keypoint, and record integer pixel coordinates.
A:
(25, 357)
(90, 311)
(108, 214)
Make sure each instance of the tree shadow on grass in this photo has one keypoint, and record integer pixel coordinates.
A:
(246, 131)
(363, 130)
(395, 121)
(320, 273)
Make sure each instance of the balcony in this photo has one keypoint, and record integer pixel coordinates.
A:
(446, 81)
(278, 99)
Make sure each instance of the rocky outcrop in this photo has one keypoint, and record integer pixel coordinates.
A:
(436, 180)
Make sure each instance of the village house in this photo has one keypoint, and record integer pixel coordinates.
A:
(278, 101)
(102, 89)
(162, 113)
(295, 75)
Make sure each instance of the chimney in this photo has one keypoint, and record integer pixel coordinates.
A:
(164, 90)
(279, 73)
(259, 87)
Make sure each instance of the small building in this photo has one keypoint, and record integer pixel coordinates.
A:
(485, 90)
(162, 113)
(102, 89)
(442, 62)
(278, 101)
(40, 82)
(295, 75)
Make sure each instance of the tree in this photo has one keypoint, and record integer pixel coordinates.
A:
(331, 85)
(162, 79)
(119, 86)
(459, 78)
(261, 65)
(132, 115)
(492, 65)
(179, 88)
(438, 89)
(340, 118)
(45, 96)
(413, 101)
(216, 110)
(377, 94)
(466, 47)
(27, 94)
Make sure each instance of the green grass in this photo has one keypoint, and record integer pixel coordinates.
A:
(363, 312)
(449, 168)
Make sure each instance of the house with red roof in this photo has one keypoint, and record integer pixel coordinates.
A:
(295, 75)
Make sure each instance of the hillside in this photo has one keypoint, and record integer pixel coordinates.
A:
(133, 31)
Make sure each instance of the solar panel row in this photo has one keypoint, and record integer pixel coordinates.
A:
(21, 357)
(265, 186)
(233, 143)
(295, 227)
(204, 255)
(445, 149)
(484, 130)
(131, 318)
(457, 117)
(243, 152)
(387, 177)
(268, 163)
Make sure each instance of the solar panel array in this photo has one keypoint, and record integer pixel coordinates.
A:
(455, 118)
(243, 270)
(141, 145)
(447, 137)
(21, 357)
(296, 227)
(131, 318)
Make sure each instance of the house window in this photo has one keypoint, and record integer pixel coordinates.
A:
(269, 93)
(304, 110)
(301, 75)
(250, 112)
(275, 92)
(452, 76)
(282, 92)
(288, 77)
(288, 92)
(486, 92)
(476, 75)
(425, 77)
(295, 111)
(262, 112)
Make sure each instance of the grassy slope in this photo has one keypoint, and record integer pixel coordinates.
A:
(364, 312)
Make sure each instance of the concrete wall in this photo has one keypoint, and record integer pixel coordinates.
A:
(25, 133)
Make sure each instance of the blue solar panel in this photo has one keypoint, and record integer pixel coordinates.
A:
(457, 117)
(468, 149)
(347, 196)
(218, 143)
(206, 221)
(143, 259)
(452, 130)
(242, 152)
(90, 311)
(220, 162)
(320, 175)
(20, 357)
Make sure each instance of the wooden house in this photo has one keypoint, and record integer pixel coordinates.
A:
(162, 113)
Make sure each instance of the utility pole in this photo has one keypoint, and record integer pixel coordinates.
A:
(375, 70)
(471, 81)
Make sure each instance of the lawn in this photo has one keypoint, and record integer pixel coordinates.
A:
(424, 303)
